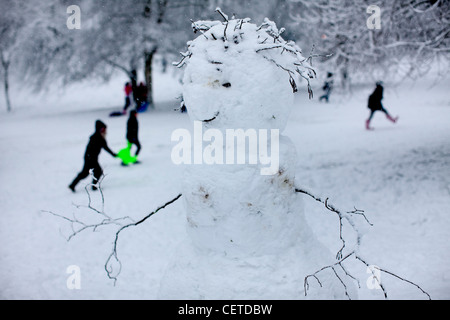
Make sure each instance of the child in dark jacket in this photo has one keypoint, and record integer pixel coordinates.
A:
(376, 105)
(97, 142)
(327, 88)
(132, 131)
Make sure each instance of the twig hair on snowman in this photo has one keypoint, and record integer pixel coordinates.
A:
(235, 86)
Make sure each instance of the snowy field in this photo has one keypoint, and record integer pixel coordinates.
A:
(398, 174)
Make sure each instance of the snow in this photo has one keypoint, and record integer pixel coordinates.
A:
(399, 174)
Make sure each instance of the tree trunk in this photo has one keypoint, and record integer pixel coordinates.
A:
(133, 81)
(148, 76)
(5, 65)
(345, 76)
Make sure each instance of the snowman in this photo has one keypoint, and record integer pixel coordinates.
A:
(247, 235)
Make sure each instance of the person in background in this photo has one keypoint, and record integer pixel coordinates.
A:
(327, 87)
(132, 131)
(128, 90)
(142, 103)
(97, 142)
(375, 105)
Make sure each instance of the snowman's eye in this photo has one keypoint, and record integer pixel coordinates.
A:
(226, 85)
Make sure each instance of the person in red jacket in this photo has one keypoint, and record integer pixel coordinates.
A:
(128, 90)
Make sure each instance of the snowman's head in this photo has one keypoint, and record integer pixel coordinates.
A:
(239, 75)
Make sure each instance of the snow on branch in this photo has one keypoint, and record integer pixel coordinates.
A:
(224, 16)
(434, 5)
(339, 265)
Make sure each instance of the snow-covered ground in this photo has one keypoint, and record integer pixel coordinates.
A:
(399, 174)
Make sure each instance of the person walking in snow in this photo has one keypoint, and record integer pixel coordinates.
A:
(376, 105)
(128, 90)
(132, 131)
(97, 142)
(327, 87)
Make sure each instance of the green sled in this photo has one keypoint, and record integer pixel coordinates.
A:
(125, 155)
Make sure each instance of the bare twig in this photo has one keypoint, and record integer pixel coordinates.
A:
(224, 16)
(79, 226)
(341, 215)
(339, 256)
(314, 275)
(181, 63)
(394, 275)
(108, 266)
(212, 119)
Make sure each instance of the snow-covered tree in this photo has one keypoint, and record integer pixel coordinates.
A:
(127, 35)
(8, 30)
(12, 22)
(113, 35)
(411, 34)
(46, 47)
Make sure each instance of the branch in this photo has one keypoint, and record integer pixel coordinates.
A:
(185, 56)
(102, 212)
(118, 66)
(77, 226)
(109, 270)
(84, 226)
(394, 275)
(414, 7)
(341, 258)
(341, 216)
(224, 16)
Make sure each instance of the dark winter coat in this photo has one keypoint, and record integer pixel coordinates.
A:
(132, 127)
(375, 99)
(142, 92)
(96, 144)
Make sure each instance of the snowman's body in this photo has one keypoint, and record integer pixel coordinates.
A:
(248, 238)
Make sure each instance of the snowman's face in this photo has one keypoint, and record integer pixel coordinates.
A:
(236, 89)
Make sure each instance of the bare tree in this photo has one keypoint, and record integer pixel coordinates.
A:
(11, 25)
(114, 35)
(413, 33)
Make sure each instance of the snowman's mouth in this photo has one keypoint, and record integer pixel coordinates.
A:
(213, 118)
